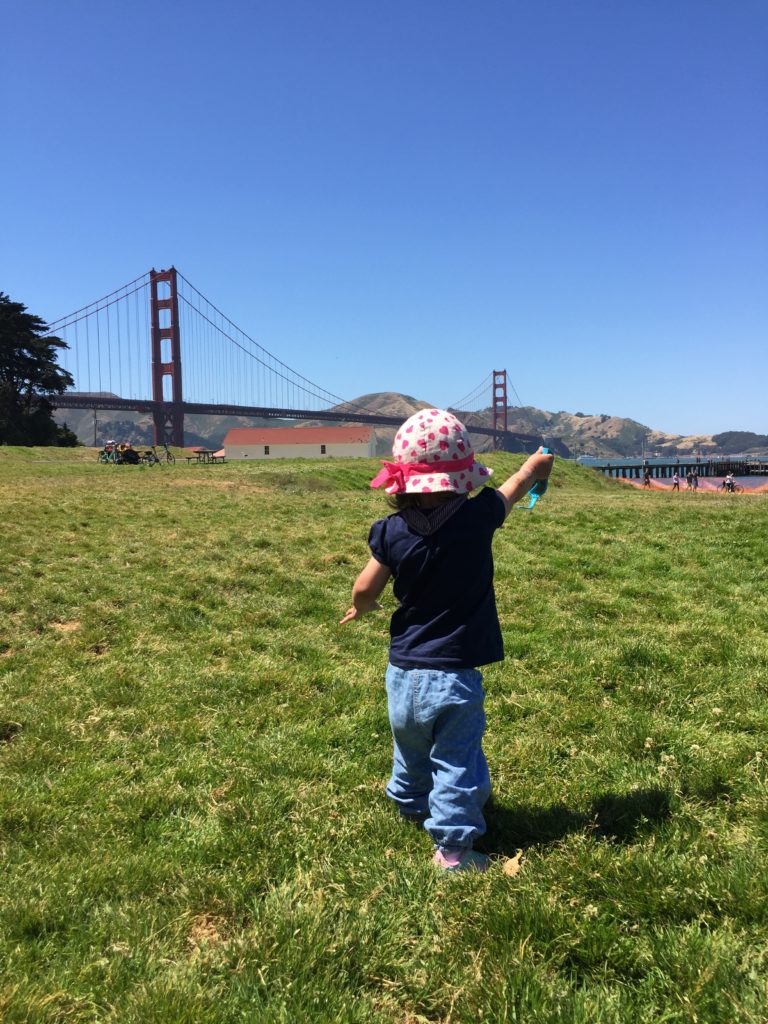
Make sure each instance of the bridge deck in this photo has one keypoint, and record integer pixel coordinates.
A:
(526, 442)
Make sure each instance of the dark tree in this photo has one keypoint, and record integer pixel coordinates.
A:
(68, 438)
(29, 378)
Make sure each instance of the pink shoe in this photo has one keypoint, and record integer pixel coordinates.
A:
(461, 860)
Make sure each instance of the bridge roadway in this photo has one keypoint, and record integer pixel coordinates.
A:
(525, 442)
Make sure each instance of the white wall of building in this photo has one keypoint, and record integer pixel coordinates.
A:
(264, 452)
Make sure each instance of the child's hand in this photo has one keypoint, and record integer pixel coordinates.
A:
(357, 613)
(535, 468)
(539, 465)
(368, 585)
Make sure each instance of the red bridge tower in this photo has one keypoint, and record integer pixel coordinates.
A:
(499, 407)
(168, 414)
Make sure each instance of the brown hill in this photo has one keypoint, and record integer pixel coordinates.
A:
(382, 403)
(582, 434)
(610, 436)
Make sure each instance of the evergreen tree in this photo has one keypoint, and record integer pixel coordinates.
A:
(29, 378)
(68, 438)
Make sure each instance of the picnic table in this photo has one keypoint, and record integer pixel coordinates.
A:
(206, 455)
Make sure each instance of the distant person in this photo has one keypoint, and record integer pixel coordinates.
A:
(689, 480)
(646, 477)
(675, 481)
(437, 549)
(730, 483)
(695, 479)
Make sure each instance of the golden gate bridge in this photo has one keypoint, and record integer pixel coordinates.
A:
(125, 353)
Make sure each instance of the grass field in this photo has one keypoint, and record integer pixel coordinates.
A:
(193, 754)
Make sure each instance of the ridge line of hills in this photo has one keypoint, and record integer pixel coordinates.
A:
(602, 435)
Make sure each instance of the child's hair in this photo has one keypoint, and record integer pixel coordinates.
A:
(402, 501)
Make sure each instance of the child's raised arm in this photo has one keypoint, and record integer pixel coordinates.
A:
(536, 467)
(367, 587)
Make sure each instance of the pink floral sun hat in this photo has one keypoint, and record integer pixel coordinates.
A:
(432, 452)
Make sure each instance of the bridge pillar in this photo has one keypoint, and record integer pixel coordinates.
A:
(499, 407)
(168, 414)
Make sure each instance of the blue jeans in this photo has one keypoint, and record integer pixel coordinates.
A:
(439, 772)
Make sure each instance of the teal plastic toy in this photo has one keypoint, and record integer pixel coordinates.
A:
(538, 488)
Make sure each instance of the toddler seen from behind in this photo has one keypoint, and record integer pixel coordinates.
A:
(437, 549)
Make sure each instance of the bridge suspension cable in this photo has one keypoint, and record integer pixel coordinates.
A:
(107, 342)
(478, 394)
(266, 379)
(269, 378)
(71, 318)
(512, 388)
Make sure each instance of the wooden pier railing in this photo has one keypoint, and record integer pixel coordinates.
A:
(705, 467)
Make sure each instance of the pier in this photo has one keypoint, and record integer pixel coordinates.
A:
(705, 466)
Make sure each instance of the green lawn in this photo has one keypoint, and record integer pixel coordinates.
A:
(193, 754)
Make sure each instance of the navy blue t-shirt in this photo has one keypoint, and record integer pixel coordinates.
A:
(447, 617)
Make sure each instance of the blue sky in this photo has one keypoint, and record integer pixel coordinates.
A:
(405, 196)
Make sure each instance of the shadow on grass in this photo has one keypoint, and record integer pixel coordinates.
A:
(8, 730)
(613, 816)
